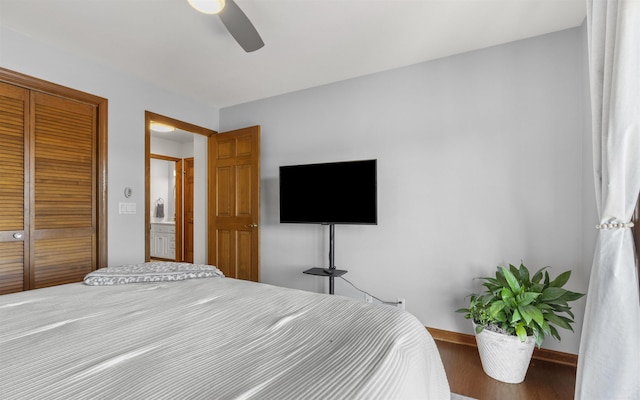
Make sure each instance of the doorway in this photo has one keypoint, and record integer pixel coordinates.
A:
(167, 205)
(172, 211)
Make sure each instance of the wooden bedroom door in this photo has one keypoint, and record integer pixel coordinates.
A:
(234, 235)
(48, 189)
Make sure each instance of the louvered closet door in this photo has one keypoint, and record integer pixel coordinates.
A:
(14, 112)
(63, 214)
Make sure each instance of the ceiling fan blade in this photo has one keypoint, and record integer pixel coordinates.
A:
(239, 26)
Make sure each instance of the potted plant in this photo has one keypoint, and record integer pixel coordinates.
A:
(515, 312)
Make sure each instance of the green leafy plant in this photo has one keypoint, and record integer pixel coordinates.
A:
(517, 303)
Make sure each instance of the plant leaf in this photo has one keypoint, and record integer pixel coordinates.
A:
(500, 278)
(524, 273)
(506, 294)
(539, 338)
(511, 303)
(554, 332)
(516, 316)
(496, 307)
(534, 312)
(536, 287)
(525, 314)
(557, 320)
(491, 287)
(571, 296)
(511, 280)
(537, 277)
(561, 279)
(514, 270)
(552, 293)
(546, 278)
(546, 328)
(564, 309)
(527, 298)
(521, 332)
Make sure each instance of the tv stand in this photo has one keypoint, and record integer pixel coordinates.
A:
(331, 272)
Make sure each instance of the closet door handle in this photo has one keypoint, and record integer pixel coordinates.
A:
(252, 226)
(18, 235)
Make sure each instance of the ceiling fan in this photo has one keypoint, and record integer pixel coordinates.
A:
(234, 19)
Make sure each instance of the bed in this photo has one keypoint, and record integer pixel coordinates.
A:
(209, 337)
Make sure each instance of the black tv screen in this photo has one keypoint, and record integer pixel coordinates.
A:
(329, 193)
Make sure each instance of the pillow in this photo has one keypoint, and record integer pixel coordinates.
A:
(150, 272)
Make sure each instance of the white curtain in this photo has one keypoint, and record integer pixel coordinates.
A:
(609, 358)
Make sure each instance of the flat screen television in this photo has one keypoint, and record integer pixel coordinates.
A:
(329, 193)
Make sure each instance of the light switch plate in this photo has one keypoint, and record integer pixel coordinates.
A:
(127, 208)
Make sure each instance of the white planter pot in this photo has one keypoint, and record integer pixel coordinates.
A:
(504, 357)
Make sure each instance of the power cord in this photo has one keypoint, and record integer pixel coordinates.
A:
(393, 303)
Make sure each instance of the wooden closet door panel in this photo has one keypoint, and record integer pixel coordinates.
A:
(14, 119)
(63, 215)
(62, 260)
(12, 267)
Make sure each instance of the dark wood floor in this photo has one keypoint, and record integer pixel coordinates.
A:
(544, 381)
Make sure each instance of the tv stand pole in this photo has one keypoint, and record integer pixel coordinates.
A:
(331, 272)
(332, 256)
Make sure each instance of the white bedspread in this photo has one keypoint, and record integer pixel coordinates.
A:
(213, 338)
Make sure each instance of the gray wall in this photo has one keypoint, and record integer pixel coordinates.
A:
(480, 162)
(128, 99)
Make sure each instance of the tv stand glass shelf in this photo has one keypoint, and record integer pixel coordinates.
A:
(325, 272)
(330, 272)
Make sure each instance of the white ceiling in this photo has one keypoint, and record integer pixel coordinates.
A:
(307, 42)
